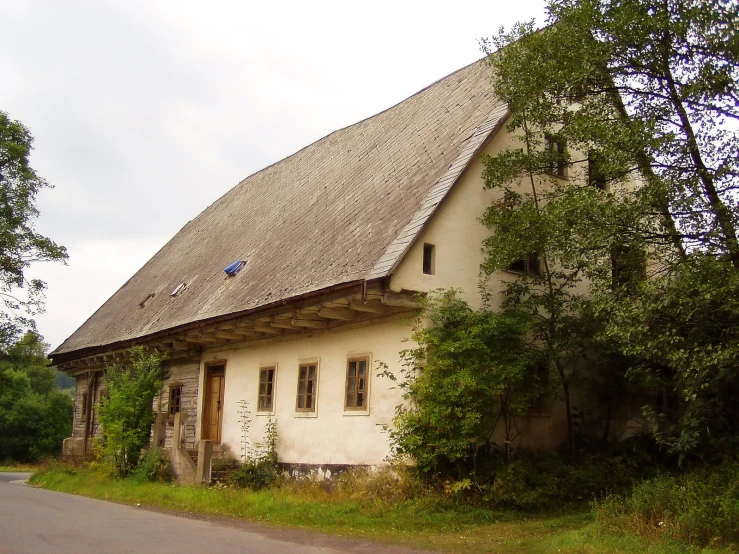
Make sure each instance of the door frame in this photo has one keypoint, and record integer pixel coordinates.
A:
(204, 425)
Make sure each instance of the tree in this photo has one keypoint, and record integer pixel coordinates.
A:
(20, 244)
(35, 417)
(617, 91)
(127, 413)
(469, 372)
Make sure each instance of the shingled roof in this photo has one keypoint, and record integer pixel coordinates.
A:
(343, 209)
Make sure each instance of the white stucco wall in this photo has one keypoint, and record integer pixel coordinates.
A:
(457, 234)
(331, 435)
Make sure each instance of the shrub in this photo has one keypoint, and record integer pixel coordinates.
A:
(255, 474)
(127, 414)
(155, 466)
(546, 480)
(700, 507)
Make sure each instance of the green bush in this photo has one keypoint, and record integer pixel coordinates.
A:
(255, 474)
(699, 508)
(126, 414)
(546, 480)
(155, 466)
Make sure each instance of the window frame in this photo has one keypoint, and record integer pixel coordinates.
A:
(542, 406)
(596, 177)
(175, 386)
(428, 263)
(358, 410)
(558, 167)
(530, 261)
(271, 409)
(83, 411)
(313, 410)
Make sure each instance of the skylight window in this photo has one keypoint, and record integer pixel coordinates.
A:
(234, 268)
(178, 290)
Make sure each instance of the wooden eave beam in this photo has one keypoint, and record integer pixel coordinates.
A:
(401, 300)
(343, 314)
(371, 307)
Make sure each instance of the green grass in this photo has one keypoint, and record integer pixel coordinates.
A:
(14, 468)
(427, 522)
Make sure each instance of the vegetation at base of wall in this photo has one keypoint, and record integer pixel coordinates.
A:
(126, 413)
(35, 417)
(258, 467)
(700, 507)
(468, 376)
(155, 466)
(426, 520)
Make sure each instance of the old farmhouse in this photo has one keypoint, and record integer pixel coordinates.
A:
(326, 250)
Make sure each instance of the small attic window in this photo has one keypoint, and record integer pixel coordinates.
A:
(146, 300)
(234, 268)
(429, 259)
(178, 290)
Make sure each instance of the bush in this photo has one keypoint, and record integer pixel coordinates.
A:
(155, 466)
(255, 474)
(699, 508)
(127, 413)
(546, 480)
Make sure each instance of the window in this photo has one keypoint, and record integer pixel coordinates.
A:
(356, 384)
(530, 265)
(596, 176)
(540, 404)
(175, 400)
(628, 266)
(429, 259)
(307, 385)
(84, 405)
(555, 148)
(266, 389)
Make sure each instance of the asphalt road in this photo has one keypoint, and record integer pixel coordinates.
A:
(40, 521)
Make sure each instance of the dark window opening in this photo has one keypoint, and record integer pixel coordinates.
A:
(84, 405)
(531, 265)
(555, 148)
(429, 259)
(356, 384)
(628, 267)
(175, 400)
(146, 300)
(540, 404)
(266, 389)
(306, 401)
(596, 175)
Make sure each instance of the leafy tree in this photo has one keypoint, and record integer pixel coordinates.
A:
(616, 92)
(20, 244)
(35, 417)
(127, 413)
(470, 371)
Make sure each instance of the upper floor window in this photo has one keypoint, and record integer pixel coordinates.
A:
(531, 265)
(555, 147)
(596, 175)
(429, 259)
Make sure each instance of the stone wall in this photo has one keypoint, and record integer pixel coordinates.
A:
(187, 375)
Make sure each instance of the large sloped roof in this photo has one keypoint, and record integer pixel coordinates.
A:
(340, 210)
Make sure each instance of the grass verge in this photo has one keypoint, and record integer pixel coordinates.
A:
(18, 468)
(427, 522)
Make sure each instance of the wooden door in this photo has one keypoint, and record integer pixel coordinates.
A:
(213, 410)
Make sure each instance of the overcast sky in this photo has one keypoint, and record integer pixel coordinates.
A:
(146, 112)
